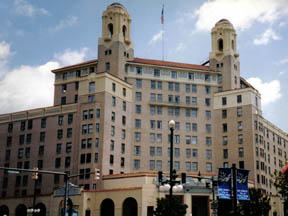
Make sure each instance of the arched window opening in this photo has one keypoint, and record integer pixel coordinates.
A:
(233, 46)
(107, 208)
(220, 45)
(130, 207)
(42, 208)
(4, 210)
(21, 210)
(124, 29)
(110, 30)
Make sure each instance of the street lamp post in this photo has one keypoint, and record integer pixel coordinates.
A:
(171, 182)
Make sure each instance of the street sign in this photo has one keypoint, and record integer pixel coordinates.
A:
(72, 190)
(13, 171)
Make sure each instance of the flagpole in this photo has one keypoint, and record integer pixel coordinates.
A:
(162, 22)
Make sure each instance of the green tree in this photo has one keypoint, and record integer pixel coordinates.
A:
(177, 208)
(258, 205)
(281, 184)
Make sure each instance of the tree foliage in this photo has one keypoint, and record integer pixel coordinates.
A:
(258, 205)
(281, 183)
(177, 208)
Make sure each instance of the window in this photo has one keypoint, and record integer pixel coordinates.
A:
(70, 118)
(224, 114)
(224, 127)
(177, 152)
(112, 130)
(107, 66)
(194, 88)
(194, 166)
(68, 147)
(159, 97)
(21, 140)
(208, 154)
(191, 76)
(194, 101)
(27, 152)
(22, 126)
(225, 153)
(156, 73)
(137, 136)
(123, 134)
(224, 100)
(207, 89)
(194, 113)
(152, 151)
(42, 136)
(207, 78)
(97, 126)
(90, 113)
(90, 128)
(139, 70)
(188, 166)
(84, 129)
(159, 85)
(30, 124)
(10, 127)
(96, 142)
(152, 164)
(59, 134)
(43, 123)
(138, 96)
(28, 138)
(137, 123)
(240, 139)
(208, 114)
(241, 152)
(90, 98)
(194, 140)
(173, 74)
(138, 109)
(41, 150)
(136, 164)
(9, 141)
(239, 111)
(239, 98)
(113, 116)
(67, 161)
(187, 88)
(240, 125)
(113, 101)
(194, 127)
(111, 159)
(208, 141)
(58, 148)
(153, 84)
(170, 86)
(69, 132)
(97, 113)
(123, 120)
(177, 87)
(207, 102)
(138, 83)
(63, 100)
(122, 148)
(208, 128)
(124, 105)
(60, 120)
(113, 87)
(137, 150)
(208, 167)
(225, 140)
(96, 157)
(188, 140)
(57, 162)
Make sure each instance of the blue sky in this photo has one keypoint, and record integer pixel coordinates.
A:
(37, 36)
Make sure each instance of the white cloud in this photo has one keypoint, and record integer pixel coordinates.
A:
(270, 91)
(180, 47)
(64, 23)
(282, 73)
(69, 57)
(282, 24)
(157, 37)
(24, 8)
(283, 61)
(28, 87)
(266, 37)
(242, 13)
(4, 50)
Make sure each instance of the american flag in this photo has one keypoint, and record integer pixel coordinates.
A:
(162, 15)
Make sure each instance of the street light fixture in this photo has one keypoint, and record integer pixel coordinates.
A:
(171, 182)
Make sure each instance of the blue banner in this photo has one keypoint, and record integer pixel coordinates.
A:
(224, 183)
(242, 184)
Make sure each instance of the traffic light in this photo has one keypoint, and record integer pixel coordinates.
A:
(174, 175)
(97, 174)
(160, 177)
(183, 178)
(35, 174)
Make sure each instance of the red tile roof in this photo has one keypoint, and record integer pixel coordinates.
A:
(75, 65)
(170, 64)
(144, 61)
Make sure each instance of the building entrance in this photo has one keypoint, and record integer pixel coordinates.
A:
(200, 205)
